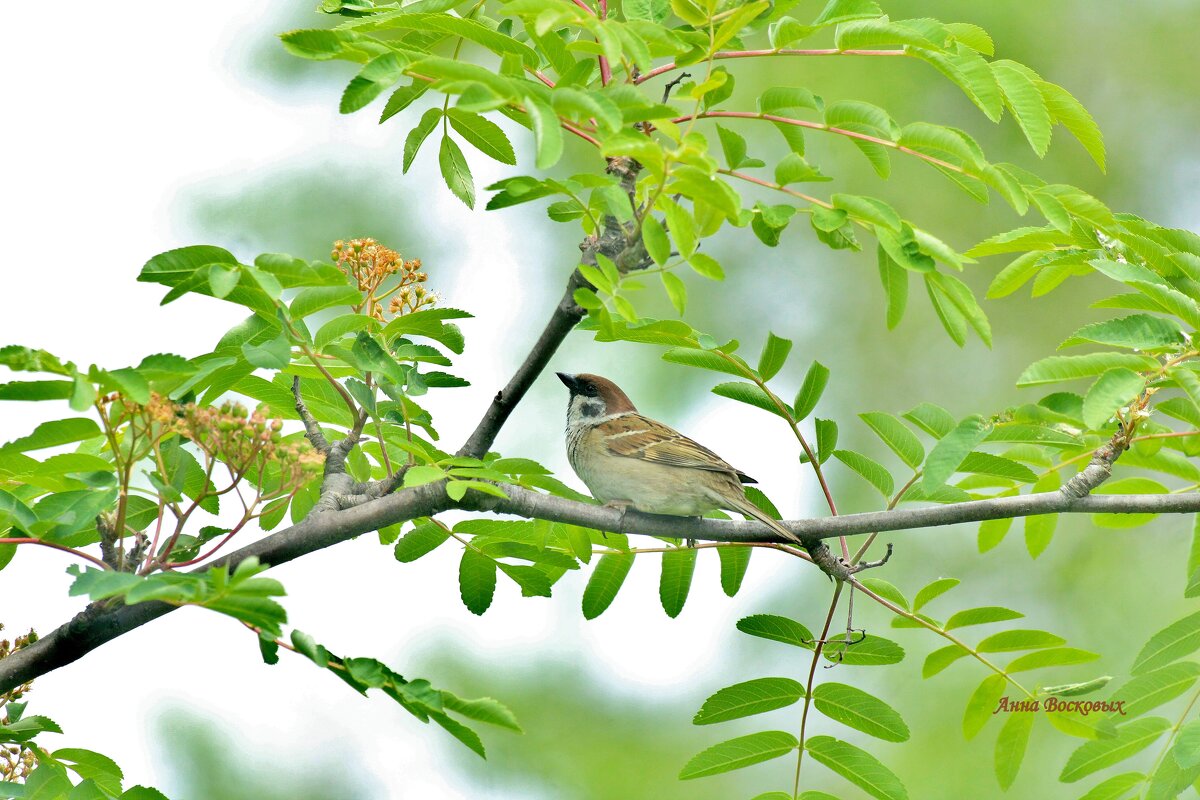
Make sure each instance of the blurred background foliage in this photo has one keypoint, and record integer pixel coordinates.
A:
(590, 736)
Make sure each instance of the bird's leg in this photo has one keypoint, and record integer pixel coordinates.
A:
(623, 505)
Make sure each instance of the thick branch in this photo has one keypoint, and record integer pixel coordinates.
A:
(97, 625)
(565, 317)
(614, 242)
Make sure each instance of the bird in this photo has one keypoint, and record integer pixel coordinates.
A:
(628, 460)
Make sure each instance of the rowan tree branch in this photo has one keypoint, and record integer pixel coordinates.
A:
(100, 623)
(615, 242)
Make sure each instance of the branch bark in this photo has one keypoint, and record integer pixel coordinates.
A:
(99, 624)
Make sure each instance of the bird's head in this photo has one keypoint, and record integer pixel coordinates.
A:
(593, 398)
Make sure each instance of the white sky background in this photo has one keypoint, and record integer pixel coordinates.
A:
(110, 120)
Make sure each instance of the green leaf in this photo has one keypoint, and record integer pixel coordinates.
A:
(1115, 787)
(734, 562)
(871, 652)
(747, 393)
(827, 436)
(810, 392)
(476, 581)
(1039, 530)
(896, 436)
(1025, 101)
(605, 582)
(339, 327)
(678, 566)
(658, 246)
(740, 752)
(1053, 657)
(1112, 390)
(857, 766)
(100, 769)
(886, 590)
(401, 99)
(676, 290)
(483, 134)
(455, 172)
(1019, 639)
(933, 589)
(1151, 689)
(54, 434)
(895, 286)
(981, 616)
(872, 471)
(933, 419)
(704, 359)
(774, 356)
(1186, 751)
(951, 449)
(547, 134)
(1068, 112)
(1173, 642)
(379, 74)
(982, 704)
(418, 135)
(483, 709)
(1010, 747)
(274, 354)
(748, 698)
(941, 658)
(777, 629)
(987, 464)
(419, 541)
(859, 710)
(1135, 331)
(319, 298)
(1097, 754)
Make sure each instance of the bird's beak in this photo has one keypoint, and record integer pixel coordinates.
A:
(568, 380)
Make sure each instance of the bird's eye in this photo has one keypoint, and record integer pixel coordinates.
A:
(588, 389)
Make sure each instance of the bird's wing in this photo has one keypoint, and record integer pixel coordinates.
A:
(634, 436)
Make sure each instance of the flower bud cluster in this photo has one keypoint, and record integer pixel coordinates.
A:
(369, 264)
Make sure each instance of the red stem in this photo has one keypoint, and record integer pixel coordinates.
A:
(743, 176)
(759, 53)
(584, 6)
(605, 68)
(62, 547)
(820, 126)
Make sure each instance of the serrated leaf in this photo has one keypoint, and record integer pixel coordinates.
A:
(932, 590)
(484, 135)
(476, 581)
(455, 172)
(1011, 745)
(872, 471)
(604, 583)
(748, 698)
(951, 449)
(896, 436)
(982, 704)
(811, 389)
(678, 566)
(857, 766)
(859, 710)
(734, 562)
(777, 629)
(740, 752)
(1130, 739)
(1173, 642)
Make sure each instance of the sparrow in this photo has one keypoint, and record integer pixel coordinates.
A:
(628, 460)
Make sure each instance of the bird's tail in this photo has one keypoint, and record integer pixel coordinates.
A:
(748, 508)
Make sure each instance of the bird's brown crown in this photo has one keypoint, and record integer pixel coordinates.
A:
(615, 400)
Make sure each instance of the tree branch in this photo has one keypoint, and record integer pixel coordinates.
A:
(614, 242)
(100, 623)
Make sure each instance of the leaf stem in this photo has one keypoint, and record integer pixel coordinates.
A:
(724, 54)
(62, 547)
